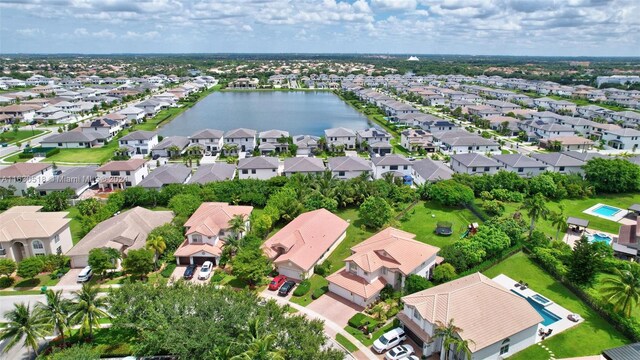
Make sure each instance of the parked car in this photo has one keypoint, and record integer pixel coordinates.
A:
(156, 157)
(399, 352)
(413, 357)
(277, 282)
(389, 339)
(205, 270)
(85, 275)
(286, 288)
(189, 271)
(57, 172)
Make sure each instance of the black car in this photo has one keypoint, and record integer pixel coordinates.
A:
(156, 157)
(286, 288)
(189, 271)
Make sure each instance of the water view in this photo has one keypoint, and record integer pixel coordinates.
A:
(300, 113)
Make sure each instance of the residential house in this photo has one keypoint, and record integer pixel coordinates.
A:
(103, 129)
(307, 144)
(373, 138)
(305, 242)
(207, 173)
(23, 176)
(27, 232)
(303, 165)
(165, 175)
(340, 137)
(259, 167)
(472, 163)
(121, 174)
(20, 112)
(125, 231)
(622, 139)
(585, 156)
(504, 125)
(70, 140)
(206, 231)
(140, 142)
(627, 117)
(522, 165)
(397, 165)
(349, 167)
(77, 179)
(567, 143)
(135, 115)
(462, 141)
(427, 170)
(495, 321)
(558, 162)
(171, 146)
(209, 139)
(273, 141)
(626, 245)
(237, 140)
(386, 258)
(417, 139)
(544, 130)
(151, 107)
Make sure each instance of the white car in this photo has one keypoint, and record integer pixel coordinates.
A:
(389, 339)
(399, 352)
(85, 275)
(205, 270)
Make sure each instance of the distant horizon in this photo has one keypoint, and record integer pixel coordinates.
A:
(549, 28)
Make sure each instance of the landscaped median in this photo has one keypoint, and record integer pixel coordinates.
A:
(309, 290)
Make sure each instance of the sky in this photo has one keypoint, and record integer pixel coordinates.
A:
(469, 27)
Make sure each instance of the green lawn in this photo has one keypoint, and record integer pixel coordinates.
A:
(74, 225)
(36, 282)
(317, 282)
(598, 284)
(364, 339)
(11, 136)
(588, 338)
(424, 217)
(346, 343)
(96, 155)
(355, 235)
(576, 207)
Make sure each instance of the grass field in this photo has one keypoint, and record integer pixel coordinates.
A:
(588, 338)
(317, 282)
(576, 207)
(11, 136)
(346, 343)
(363, 338)
(355, 235)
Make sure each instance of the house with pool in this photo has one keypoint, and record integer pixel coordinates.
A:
(496, 321)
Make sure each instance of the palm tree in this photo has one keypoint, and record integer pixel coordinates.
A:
(158, 245)
(24, 323)
(623, 290)
(536, 208)
(237, 225)
(463, 349)
(558, 220)
(89, 308)
(56, 310)
(448, 334)
(259, 346)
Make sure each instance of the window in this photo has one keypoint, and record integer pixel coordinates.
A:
(59, 250)
(37, 245)
(128, 183)
(341, 173)
(353, 268)
(196, 238)
(253, 171)
(473, 169)
(115, 173)
(486, 168)
(393, 167)
(56, 239)
(416, 314)
(128, 172)
(245, 171)
(561, 168)
(505, 347)
(520, 170)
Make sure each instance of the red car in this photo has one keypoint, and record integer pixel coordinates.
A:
(277, 282)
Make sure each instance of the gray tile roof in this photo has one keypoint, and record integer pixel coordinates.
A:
(627, 352)
(585, 156)
(240, 133)
(391, 159)
(166, 174)
(258, 162)
(557, 159)
(349, 163)
(273, 134)
(432, 170)
(70, 136)
(473, 159)
(74, 178)
(518, 161)
(303, 164)
(207, 134)
(213, 172)
(139, 135)
(338, 132)
(179, 141)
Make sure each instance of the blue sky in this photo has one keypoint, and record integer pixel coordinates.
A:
(503, 27)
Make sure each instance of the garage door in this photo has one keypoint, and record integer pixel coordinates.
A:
(199, 260)
(79, 261)
(414, 337)
(289, 272)
(184, 260)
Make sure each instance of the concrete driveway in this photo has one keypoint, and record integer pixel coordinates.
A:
(70, 278)
(335, 308)
(179, 272)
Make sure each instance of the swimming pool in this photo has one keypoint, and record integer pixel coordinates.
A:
(606, 210)
(597, 237)
(548, 317)
(541, 300)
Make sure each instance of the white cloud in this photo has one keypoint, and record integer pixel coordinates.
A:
(29, 32)
(395, 4)
(247, 27)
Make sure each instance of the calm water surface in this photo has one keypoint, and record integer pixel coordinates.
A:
(299, 113)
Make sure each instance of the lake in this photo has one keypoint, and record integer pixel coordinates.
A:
(299, 113)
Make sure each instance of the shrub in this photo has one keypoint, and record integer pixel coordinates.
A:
(30, 267)
(5, 282)
(217, 277)
(388, 292)
(415, 283)
(443, 273)
(168, 270)
(319, 292)
(323, 269)
(361, 320)
(303, 288)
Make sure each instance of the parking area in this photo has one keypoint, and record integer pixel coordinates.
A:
(178, 273)
(417, 350)
(335, 308)
(70, 278)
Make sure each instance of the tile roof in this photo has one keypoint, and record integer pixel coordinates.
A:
(432, 170)
(166, 174)
(22, 169)
(207, 134)
(259, 162)
(213, 172)
(240, 133)
(391, 159)
(339, 132)
(74, 178)
(139, 135)
(212, 217)
(303, 164)
(349, 163)
(518, 160)
(27, 222)
(557, 159)
(356, 284)
(123, 165)
(474, 159)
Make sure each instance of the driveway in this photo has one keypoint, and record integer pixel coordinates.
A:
(179, 272)
(70, 278)
(335, 308)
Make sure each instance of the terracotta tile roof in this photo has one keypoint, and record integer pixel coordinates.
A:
(211, 217)
(187, 249)
(27, 222)
(356, 284)
(393, 249)
(306, 238)
(485, 311)
(23, 169)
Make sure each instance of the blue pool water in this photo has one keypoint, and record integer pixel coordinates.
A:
(548, 317)
(599, 238)
(606, 210)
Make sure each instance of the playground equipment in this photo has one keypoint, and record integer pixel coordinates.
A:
(472, 229)
(444, 228)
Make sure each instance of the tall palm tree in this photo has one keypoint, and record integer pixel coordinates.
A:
(558, 220)
(448, 332)
(89, 307)
(536, 208)
(259, 346)
(56, 309)
(463, 348)
(24, 323)
(237, 225)
(158, 245)
(623, 291)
